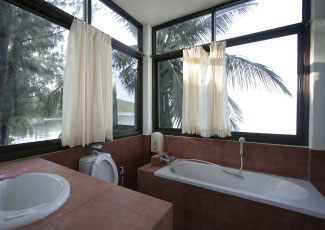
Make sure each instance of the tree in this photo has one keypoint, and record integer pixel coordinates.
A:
(241, 73)
(31, 69)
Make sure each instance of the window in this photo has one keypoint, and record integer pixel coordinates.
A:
(32, 77)
(193, 32)
(255, 16)
(265, 70)
(114, 24)
(125, 74)
(73, 7)
(32, 64)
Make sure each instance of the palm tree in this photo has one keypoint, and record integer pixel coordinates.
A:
(241, 73)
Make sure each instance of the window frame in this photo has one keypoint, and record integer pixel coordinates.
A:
(59, 17)
(302, 30)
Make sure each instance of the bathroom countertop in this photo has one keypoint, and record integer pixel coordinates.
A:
(96, 204)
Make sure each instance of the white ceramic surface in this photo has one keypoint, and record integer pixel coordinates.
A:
(30, 197)
(292, 194)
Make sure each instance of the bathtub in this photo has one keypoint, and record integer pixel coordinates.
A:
(288, 193)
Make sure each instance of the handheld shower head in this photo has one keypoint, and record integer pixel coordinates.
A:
(241, 140)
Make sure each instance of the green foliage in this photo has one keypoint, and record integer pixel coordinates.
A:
(125, 106)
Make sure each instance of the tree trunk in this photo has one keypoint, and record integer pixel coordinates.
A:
(5, 25)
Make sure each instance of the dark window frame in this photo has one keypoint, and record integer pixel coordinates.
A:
(57, 16)
(302, 30)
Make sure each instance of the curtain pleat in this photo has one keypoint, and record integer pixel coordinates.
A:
(87, 88)
(204, 108)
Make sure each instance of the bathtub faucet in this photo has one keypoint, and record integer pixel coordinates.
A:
(167, 159)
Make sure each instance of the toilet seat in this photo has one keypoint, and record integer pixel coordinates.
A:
(105, 169)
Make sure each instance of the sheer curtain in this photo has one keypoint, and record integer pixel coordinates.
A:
(87, 88)
(205, 98)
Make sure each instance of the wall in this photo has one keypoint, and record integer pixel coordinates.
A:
(131, 153)
(317, 76)
(290, 161)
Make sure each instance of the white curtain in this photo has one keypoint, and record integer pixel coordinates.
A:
(204, 109)
(87, 88)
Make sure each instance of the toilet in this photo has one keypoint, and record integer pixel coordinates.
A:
(102, 167)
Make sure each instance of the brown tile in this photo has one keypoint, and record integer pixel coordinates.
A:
(68, 158)
(31, 164)
(313, 223)
(173, 145)
(57, 169)
(113, 148)
(132, 148)
(48, 227)
(317, 166)
(146, 148)
(155, 159)
(71, 222)
(193, 148)
(277, 159)
(165, 223)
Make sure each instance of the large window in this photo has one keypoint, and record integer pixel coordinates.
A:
(114, 24)
(32, 61)
(31, 77)
(265, 68)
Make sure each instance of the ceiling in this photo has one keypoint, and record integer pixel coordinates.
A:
(155, 12)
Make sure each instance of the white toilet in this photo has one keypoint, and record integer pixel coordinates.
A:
(103, 167)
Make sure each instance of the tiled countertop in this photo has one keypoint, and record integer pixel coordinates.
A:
(95, 204)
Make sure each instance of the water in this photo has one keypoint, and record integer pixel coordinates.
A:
(50, 128)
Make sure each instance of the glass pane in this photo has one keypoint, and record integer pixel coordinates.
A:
(34, 58)
(125, 78)
(73, 7)
(255, 16)
(113, 24)
(196, 31)
(262, 82)
(170, 86)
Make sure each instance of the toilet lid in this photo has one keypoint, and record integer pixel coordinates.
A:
(105, 169)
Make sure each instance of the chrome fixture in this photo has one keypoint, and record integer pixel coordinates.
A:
(241, 151)
(167, 159)
(96, 149)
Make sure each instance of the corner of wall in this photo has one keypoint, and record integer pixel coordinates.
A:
(147, 80)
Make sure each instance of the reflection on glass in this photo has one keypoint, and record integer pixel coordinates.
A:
(170, 77)
(196, 31)
(125, 77)
(73, 7)
(111, 23)
(262, 81)
(30, 100)
(255, 16)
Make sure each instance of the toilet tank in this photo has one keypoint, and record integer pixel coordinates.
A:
(86, 164)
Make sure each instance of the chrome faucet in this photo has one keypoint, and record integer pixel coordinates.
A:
(167, 159)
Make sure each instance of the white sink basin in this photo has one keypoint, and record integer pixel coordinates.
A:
(30, 197)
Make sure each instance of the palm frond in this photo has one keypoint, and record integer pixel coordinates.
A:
(53, 101)
(225, 18)
(247, 75)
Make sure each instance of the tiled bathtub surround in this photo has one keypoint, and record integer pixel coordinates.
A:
(198, 208)
(291, 161)
(95, 204)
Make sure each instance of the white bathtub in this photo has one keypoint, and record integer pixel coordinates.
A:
(292, 194)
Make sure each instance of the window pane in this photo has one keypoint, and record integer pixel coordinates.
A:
(113, 24)
(170, 88)
(34, 58)
(255, 16)
(125, 78)
(196, 31)
(265, 104)
(73, 7)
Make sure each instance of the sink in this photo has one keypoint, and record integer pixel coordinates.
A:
(30, 197)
